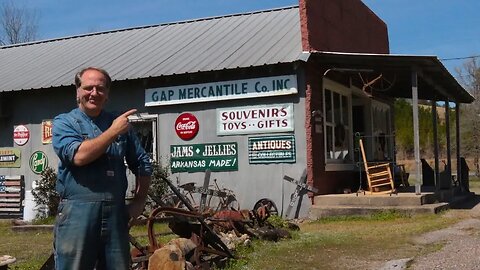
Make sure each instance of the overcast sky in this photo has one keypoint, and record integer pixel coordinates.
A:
(445, 28)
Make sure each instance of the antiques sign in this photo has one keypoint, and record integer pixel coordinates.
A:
(9, 157)
(255, 119)
(271, 149)
(224, 90)
(200, 157)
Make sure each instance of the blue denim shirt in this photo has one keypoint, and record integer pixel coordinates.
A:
(105, 178)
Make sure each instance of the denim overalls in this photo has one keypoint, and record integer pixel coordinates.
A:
(91, 230)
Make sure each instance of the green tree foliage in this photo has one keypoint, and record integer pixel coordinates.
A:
(404, 129)
(158, 187)
(44, 193)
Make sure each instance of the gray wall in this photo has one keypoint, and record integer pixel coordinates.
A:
(250, 183)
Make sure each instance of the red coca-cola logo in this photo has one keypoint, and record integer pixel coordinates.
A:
(186, 126)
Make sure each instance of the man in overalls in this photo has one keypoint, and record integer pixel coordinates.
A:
(91, 230)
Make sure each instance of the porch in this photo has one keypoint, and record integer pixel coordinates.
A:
(405, 201)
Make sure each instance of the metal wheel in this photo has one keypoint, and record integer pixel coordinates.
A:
(266, 204)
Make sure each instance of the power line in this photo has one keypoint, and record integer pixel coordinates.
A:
(460, 58)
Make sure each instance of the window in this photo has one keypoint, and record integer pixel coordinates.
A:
(145, 127)
(337, 123)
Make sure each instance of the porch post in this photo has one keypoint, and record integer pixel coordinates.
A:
(457, 139)
(416, 134)
(449, 146)
(435, 145)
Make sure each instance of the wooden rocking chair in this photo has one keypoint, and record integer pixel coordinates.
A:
(379, 176)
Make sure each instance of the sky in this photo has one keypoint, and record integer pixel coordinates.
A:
(448, 29)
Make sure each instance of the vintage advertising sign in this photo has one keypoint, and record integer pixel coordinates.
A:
(255, 119)
(9, 157)
(199, 157)
(271, 149)
(38, 162)
(21, 135)
(225, 90)
(46, 131)
(186, 126)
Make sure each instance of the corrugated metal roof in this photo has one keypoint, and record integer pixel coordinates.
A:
(226, 42)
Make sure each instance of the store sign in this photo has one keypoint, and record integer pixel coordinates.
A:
(225, 90)
(21, 135)
(199, 157)
(9, 157)
(46, 131)
(271, 149)
(186, 126)
(255, 119)
(38, 162)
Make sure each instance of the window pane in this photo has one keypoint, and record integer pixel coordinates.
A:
(336, 107)
(329, 146)
(345, 110)
(328, 105)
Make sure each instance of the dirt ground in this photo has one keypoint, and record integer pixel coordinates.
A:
(459, 244)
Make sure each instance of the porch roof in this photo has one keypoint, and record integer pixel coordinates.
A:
(434, 81)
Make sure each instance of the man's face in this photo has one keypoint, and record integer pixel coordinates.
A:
(92, 93)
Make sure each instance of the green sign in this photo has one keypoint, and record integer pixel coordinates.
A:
(199, 157)
(38, 162)
(9, 157)
(271, 149)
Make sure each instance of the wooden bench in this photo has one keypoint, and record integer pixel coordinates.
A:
(12, 196)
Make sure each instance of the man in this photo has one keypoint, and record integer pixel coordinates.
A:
(91, 230)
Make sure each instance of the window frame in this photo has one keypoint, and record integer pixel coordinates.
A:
(333, 164)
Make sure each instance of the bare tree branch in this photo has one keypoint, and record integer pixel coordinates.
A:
(17, 24)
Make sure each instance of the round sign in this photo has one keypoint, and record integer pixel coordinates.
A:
(21, 135)
(186, 126)
(38, 162)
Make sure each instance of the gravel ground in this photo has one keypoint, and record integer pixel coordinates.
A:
(461, 249)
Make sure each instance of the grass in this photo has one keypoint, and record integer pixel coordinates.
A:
(30, 248)
(345, 243)
(351, 242)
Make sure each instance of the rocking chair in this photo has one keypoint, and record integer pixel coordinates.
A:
(379, 176)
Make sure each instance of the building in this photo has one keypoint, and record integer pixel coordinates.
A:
(253, 97)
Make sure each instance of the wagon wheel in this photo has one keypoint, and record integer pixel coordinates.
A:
(378, 82)
(264, 208)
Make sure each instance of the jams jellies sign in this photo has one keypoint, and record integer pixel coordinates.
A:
(186, 126)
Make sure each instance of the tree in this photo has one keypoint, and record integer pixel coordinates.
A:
(404, 129)
(17, 24)
(469, 77)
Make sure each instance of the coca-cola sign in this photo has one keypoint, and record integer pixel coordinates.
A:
(186, 126)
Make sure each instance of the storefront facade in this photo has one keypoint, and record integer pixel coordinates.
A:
(248, 97)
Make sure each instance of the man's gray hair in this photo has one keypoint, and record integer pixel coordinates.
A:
(78, 76)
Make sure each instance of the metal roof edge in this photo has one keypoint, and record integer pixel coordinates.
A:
(147, 26)
(433, 59)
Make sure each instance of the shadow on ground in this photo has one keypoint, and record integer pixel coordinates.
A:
(468, 203)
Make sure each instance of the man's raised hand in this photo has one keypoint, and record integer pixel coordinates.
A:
(120, 125)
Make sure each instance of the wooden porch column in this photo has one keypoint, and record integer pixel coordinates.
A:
(435, 145)
(416, 133)
(449, 146)
(457, 139)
